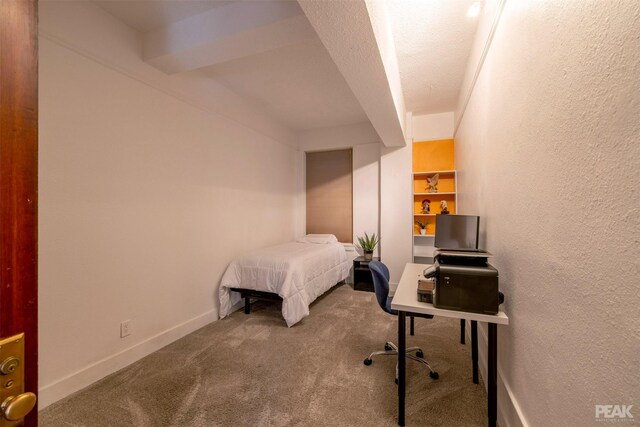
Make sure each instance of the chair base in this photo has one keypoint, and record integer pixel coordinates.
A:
(390, 349)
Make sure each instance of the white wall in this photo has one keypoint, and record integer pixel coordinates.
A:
(432, 127)
(366, 190)
(548, 156)
(144, 200)
(337, 137)
(396, 216)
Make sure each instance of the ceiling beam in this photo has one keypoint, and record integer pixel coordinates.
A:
(357, 36)
(85, 28)
(224, 33)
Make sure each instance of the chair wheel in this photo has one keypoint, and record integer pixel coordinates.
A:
(434, 375)
(368, 361)
(387, 347)
(420, 354)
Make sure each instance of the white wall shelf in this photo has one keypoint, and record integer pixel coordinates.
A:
(434, 194)
(433, 172)
(423, 251)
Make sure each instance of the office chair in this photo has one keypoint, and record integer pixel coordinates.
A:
(380, 274)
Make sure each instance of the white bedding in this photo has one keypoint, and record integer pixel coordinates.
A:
(298, 272)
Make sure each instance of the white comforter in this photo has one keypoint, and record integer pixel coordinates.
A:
(297, 272)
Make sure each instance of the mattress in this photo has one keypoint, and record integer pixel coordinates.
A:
(298, 272)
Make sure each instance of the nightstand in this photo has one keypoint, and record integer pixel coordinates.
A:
(362, 279)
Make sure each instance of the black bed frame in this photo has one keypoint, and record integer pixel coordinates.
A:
(247, 294)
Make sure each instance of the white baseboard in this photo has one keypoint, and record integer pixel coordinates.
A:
(86, 376)
(509, 413)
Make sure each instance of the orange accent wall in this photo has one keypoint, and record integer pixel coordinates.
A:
(446, 183)
(433, 155)
(434, 206)
(431, 225)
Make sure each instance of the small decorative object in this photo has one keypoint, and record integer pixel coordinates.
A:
(423, 227)
(444, 209)
(432, 183)
(368, 244)
(425, 206)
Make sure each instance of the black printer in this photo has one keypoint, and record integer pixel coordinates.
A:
(465, 281)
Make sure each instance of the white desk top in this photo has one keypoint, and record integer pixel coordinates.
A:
(406, 299)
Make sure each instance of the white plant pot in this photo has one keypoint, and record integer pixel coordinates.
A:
(423, 231)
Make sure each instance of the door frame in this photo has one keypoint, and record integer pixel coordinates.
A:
(19, 181)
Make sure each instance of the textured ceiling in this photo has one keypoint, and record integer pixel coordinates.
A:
(299, 85)
(267, 53)
(433, 41)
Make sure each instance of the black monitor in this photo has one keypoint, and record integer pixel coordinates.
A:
(457, 232)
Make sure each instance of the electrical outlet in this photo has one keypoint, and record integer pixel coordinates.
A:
(125, 328)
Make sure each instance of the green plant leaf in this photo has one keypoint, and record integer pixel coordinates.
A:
(368, 243)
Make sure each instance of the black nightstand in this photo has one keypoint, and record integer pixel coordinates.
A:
(362, 280)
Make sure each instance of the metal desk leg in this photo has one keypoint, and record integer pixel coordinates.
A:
(462, 326)
(402, 349)
(492, 373)
(474, 349)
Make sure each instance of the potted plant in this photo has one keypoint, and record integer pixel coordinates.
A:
(423, 227)
(368, 244)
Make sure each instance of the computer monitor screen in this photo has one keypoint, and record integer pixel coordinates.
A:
(457, 231)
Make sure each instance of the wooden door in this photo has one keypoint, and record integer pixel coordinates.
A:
(19, 182)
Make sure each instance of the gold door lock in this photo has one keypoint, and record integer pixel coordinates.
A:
(9, 365)
(15, 408)
(15, 404)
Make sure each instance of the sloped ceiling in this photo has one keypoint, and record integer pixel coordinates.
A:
(270, 55)
(265, 51)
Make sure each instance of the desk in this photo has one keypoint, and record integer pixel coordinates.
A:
(406, 301)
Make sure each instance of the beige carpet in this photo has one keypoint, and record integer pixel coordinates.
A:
(254, 371)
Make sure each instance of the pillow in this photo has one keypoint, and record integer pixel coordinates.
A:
(321, 239)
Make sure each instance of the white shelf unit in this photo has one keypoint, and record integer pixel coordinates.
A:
(423, 251)
(434, 172)
(444, 193)
(423, 245)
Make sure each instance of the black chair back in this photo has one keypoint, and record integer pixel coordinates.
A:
(380, 274)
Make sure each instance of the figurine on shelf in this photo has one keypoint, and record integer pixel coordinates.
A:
(444, 209)
(432, 183)
(425, 206)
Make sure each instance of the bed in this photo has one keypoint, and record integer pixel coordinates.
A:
(296, 272)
